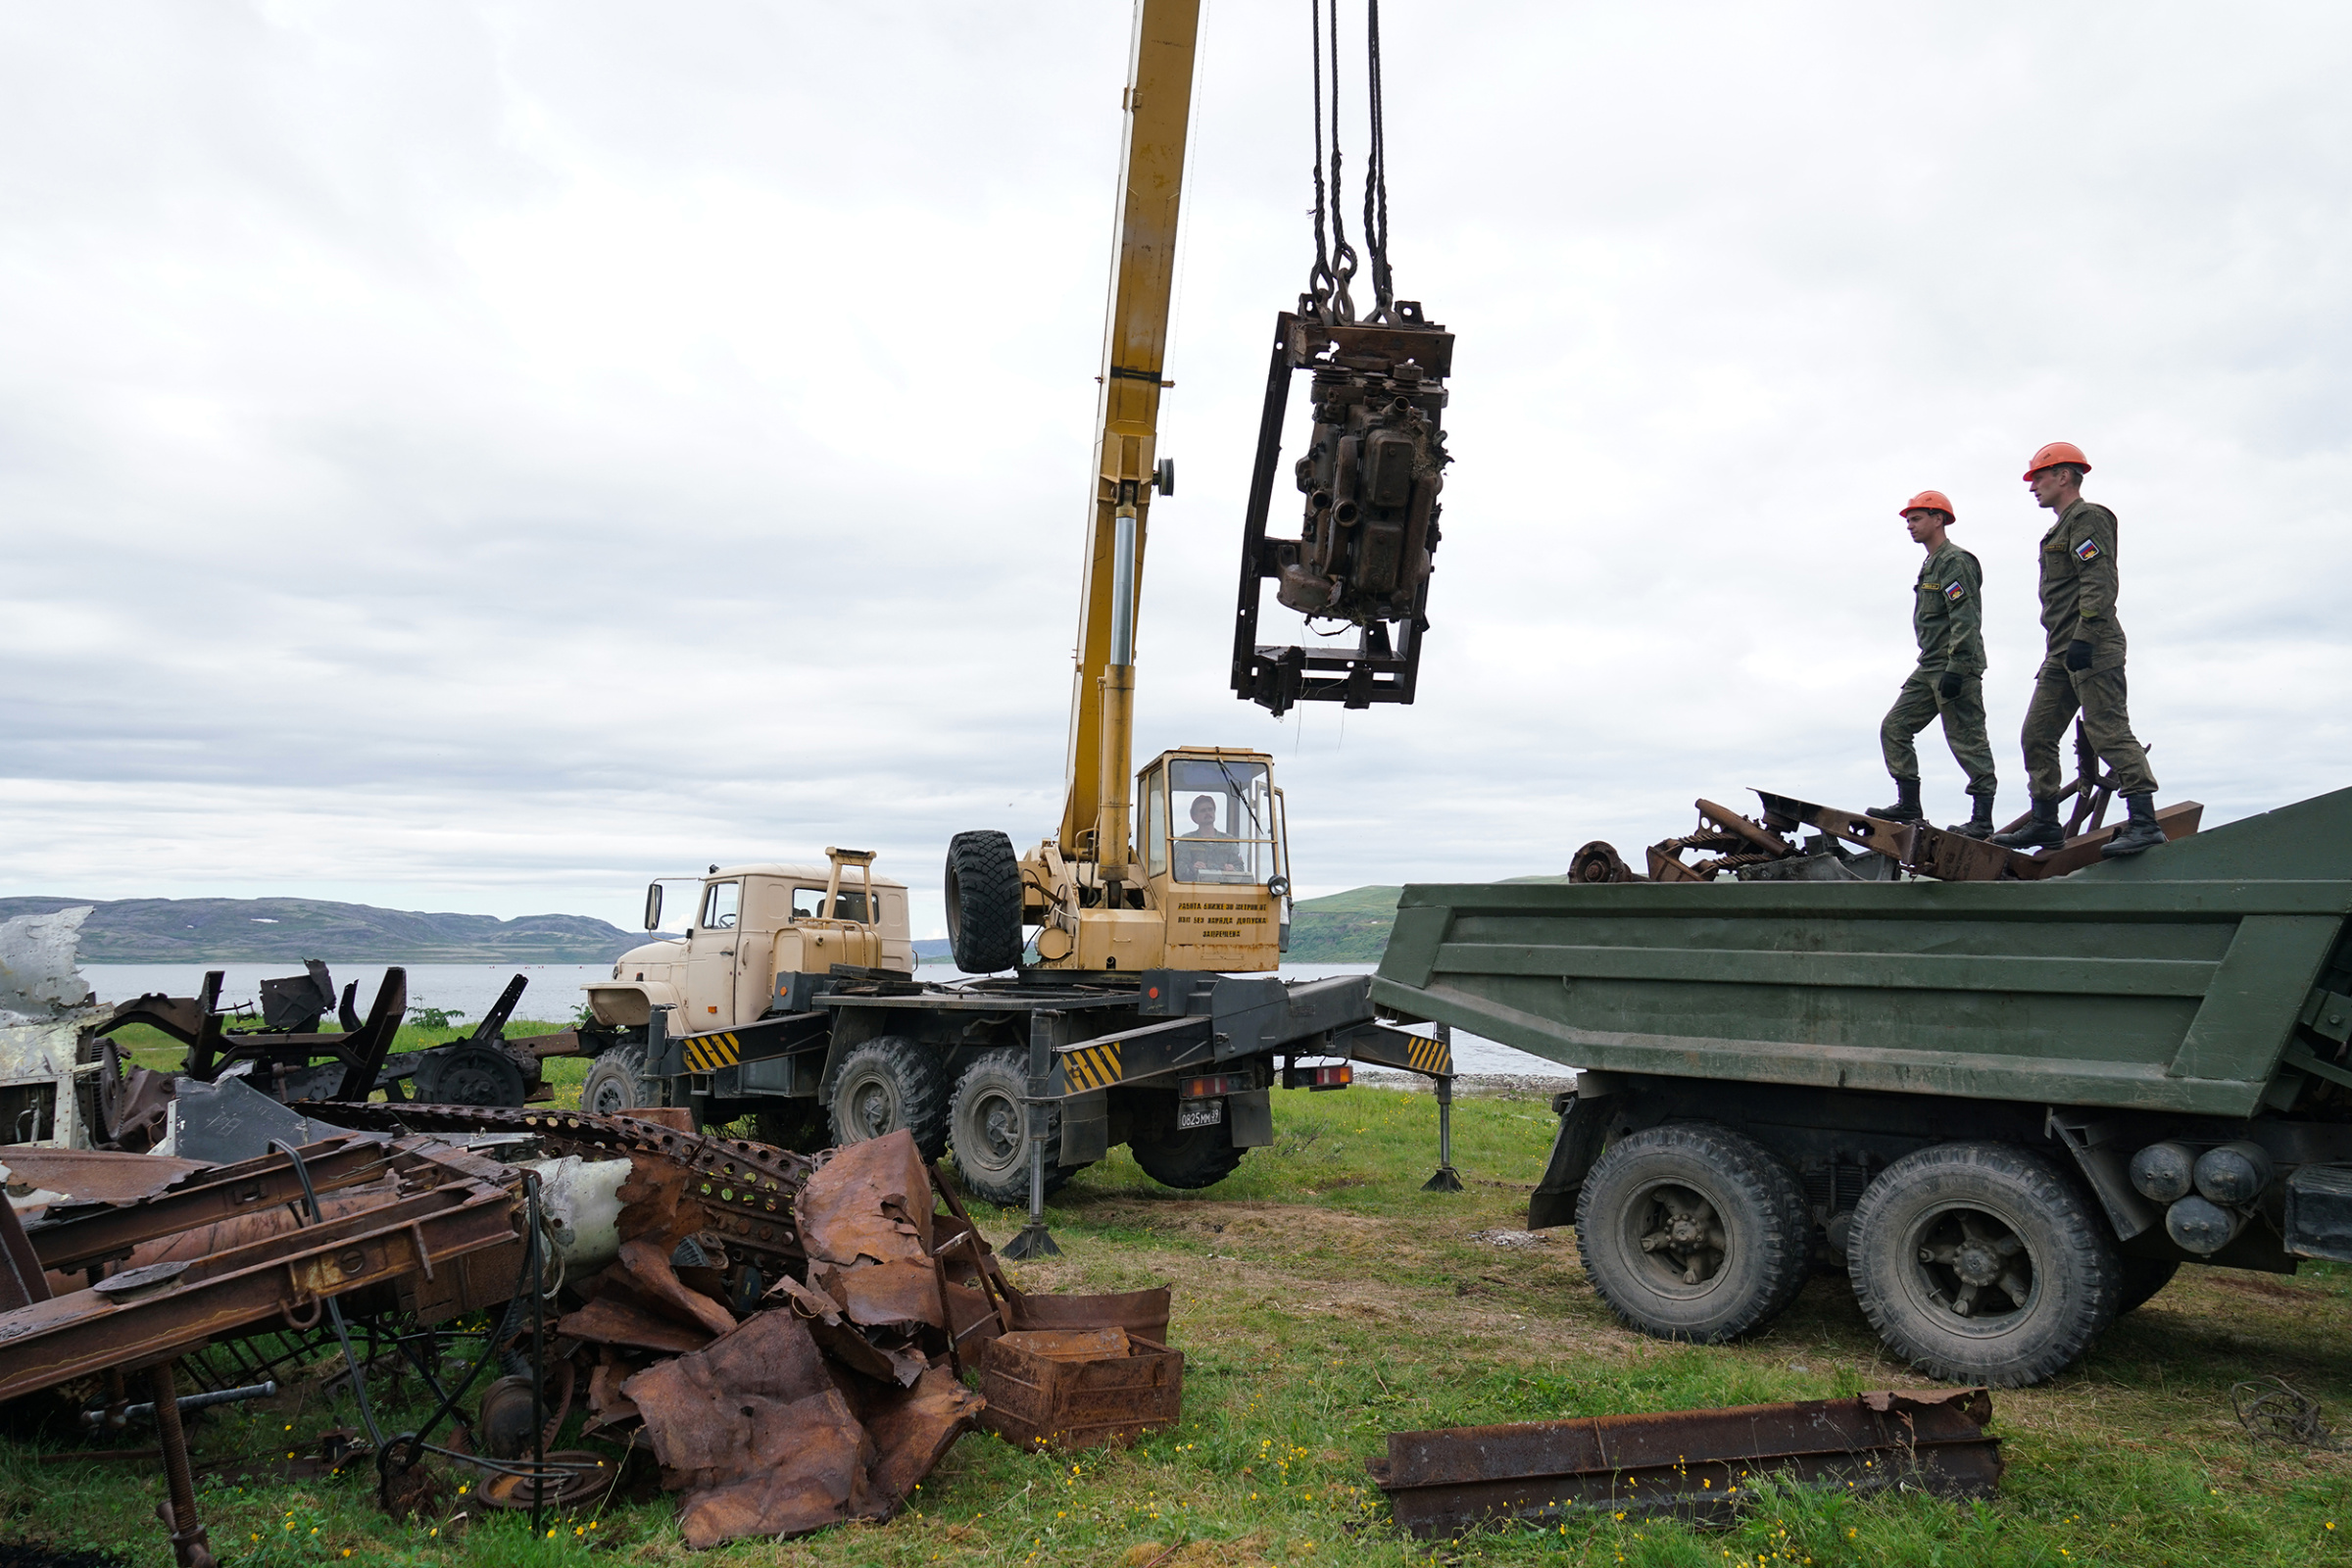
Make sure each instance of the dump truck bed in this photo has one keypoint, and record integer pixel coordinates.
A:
(2172, 981)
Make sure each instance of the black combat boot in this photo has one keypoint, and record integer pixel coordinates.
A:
(1980, 821)
(1906, 803)
(2139, 832)
(2044, 832)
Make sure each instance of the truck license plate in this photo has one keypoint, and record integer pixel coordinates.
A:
(1199, 1113)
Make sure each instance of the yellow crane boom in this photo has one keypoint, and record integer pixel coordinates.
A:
(1135, 336)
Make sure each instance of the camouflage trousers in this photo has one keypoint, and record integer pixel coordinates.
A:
(1917, 707)
(2098, 695)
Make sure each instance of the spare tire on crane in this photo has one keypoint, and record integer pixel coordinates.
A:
(984, 902)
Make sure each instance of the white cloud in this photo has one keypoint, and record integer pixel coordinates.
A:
(478, 456)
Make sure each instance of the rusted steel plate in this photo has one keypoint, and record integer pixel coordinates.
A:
(870, 1202)
(1690, 1463)
(754, 1434)
(91, 1175)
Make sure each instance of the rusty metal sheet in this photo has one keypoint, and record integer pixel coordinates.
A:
(754, 1434)
(1688, 1462)
(913, 1429)
(91, 1175)
(889, 1358)
(611, 1320)
(900, 1293)
(870, 1201)
(1144, 1314)
(1071, 1344)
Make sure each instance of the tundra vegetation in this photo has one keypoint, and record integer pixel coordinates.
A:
(1323, 1299)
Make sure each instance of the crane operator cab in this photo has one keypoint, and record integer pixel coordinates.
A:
(1205, 886)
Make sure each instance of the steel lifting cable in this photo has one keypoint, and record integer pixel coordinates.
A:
(1376, 165)
(1335, 259)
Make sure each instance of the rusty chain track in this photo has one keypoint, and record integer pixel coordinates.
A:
(746, 1189)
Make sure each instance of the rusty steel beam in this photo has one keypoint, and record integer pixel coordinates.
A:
(1694, 1464)
(81, 1236)
(442, 1208)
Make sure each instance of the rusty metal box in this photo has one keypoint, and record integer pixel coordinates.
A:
(1070, 1389)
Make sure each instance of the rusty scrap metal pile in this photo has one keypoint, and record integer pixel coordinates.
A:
(1767, 848)
(785, 1335)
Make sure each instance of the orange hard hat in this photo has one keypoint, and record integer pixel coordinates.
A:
(2055, 452)
(1929, 498)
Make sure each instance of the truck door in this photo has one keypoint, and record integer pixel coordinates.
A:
(710, 959)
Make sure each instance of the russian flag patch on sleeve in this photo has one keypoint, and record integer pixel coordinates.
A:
(2087, 549)
(1955, 590)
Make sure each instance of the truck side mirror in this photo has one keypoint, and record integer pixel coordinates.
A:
(653, 907)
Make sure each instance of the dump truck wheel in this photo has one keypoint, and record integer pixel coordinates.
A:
(2143, 1277)
(1979, 1262)
(990, 1133)
(800, 1125)
(1190, 1160)
(984, 902)
(887, 1082)
(617, 1083)
(1691, 1231)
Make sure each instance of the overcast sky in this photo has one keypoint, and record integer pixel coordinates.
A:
(480, 456)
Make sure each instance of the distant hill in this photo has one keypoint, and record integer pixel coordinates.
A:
(1350, 927)
(271, 930)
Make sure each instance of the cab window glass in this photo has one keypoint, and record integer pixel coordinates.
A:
(1222, 813)
(1155, 823)
(722, 902)
(808, 904)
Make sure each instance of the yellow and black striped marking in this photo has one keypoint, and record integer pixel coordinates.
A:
(1092, 1066)
(709, 1053)
(1432, 1057)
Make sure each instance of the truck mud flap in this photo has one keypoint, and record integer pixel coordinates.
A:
(1583, 1118)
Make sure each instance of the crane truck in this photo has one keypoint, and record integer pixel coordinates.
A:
(1131, 997)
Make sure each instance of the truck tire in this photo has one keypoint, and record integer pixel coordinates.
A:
(1691, 1231)
(2143, 1277)
(984, 902)
(617, 1083)
(991, 1132)
(887, 1082)
(1190, 1160)
(1979, 1262)
(800, 1125)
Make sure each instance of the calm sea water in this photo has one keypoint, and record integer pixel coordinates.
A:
(553, 992)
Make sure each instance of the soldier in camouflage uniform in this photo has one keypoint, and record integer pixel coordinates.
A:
(2083, 669)
(1949, 681)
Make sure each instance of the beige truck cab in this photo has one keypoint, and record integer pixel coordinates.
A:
(751, 924)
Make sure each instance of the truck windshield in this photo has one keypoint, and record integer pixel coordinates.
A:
(1223, 820)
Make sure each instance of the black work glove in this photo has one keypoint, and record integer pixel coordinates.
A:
(2078, 654)
(1949, 686)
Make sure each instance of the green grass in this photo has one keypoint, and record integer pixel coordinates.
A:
(1322, 1300)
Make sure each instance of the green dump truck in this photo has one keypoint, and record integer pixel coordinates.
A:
(2007, 1111)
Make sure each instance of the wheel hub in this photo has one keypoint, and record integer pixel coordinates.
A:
(874, 1109)
(1975, 1266)
(1684, 1235)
